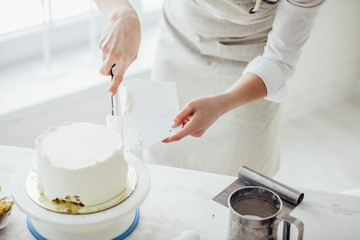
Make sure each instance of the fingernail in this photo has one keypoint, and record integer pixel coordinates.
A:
(110, 94)
(172, 124)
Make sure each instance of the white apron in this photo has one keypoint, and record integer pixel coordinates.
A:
(204, 47)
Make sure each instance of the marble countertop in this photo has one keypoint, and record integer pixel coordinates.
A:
(180, 200)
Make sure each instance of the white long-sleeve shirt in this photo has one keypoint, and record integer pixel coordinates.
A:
(291, 28)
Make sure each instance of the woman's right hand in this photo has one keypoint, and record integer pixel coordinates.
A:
(119, 44)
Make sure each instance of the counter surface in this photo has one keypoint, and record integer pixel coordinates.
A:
(180, 200)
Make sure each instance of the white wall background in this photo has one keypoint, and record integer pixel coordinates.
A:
(327, 72)
(329, 67)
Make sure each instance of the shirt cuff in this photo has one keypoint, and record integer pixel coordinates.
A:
(274, 75)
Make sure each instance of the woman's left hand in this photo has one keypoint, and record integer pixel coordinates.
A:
(197, 116)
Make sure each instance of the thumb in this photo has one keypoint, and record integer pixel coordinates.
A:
(180, 118)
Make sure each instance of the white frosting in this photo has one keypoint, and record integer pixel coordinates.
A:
(115, 123)
(125, 100)
(83, 160)
(134, 145)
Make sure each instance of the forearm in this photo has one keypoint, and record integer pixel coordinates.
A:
(248, 88)
(112, 9)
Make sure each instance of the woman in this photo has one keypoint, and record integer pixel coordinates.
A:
(231, 60)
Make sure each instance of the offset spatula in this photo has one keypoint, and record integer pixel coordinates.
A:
(114, 98)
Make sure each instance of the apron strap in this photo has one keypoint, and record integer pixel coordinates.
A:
(256, 7)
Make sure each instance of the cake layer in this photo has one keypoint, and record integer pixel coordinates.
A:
(81, 162)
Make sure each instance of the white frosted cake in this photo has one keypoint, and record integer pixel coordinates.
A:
(81, 163)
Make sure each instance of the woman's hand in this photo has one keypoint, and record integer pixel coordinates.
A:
(198, 115)
(120, 43)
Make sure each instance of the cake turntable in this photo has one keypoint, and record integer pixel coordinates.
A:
(115, 222)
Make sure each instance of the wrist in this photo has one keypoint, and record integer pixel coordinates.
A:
(225, 101)
(125, 10)
(115, 9)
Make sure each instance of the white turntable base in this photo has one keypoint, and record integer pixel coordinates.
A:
(105, 225)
